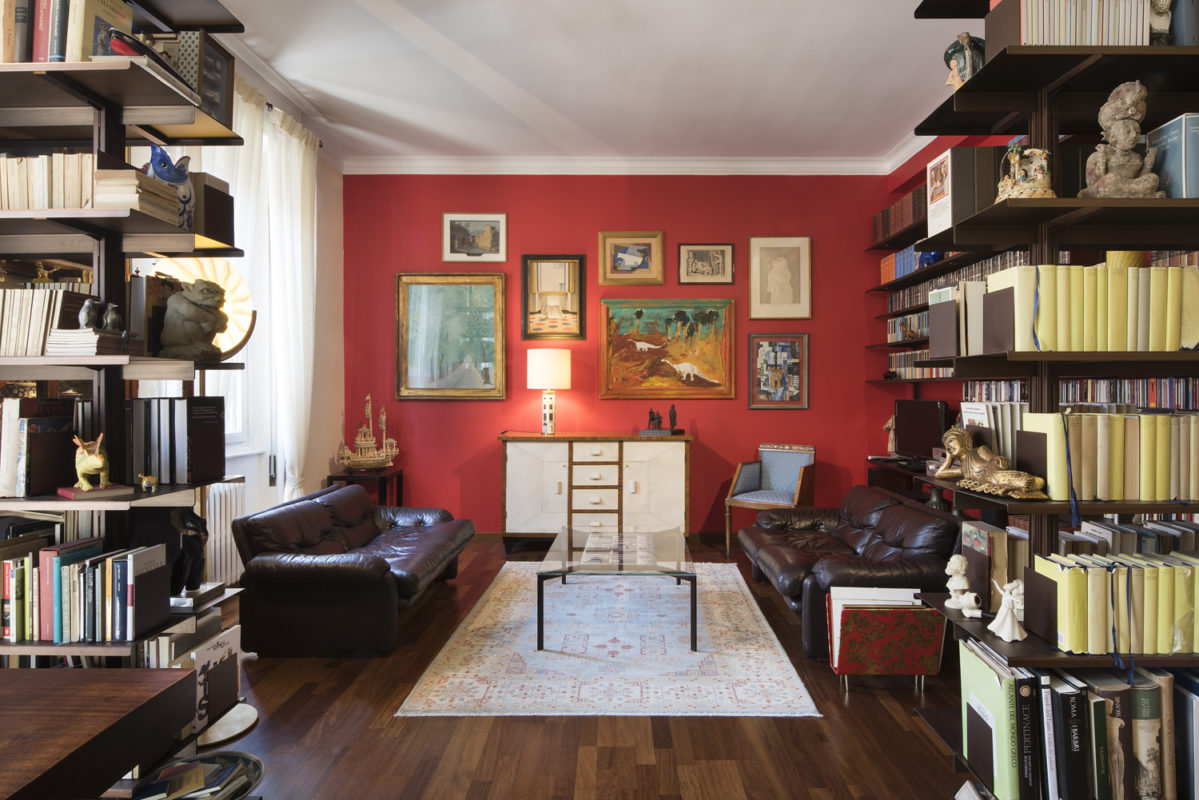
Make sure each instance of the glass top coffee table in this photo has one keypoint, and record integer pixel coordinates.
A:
(641, 553)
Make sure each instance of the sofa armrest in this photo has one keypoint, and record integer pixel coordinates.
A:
(406, 517)
(341, 568)
(795, 519)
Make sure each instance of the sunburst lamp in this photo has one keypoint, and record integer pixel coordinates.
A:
(549, 369)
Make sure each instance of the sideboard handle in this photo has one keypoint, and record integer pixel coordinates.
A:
(597, 476)
(597, 501)
(596, 451)
(559, 488)
(635, 487)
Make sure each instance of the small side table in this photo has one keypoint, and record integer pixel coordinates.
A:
(388, 483)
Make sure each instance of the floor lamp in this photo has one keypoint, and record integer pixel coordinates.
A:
(549, 369)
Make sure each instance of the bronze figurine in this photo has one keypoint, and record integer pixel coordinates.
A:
(981, 469)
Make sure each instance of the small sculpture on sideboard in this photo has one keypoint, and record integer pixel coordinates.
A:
(1115, 169)
(981, 469)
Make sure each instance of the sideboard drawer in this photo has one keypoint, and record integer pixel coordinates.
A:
(595, 451)
(595, 500)
(583, 475)
(606, 523)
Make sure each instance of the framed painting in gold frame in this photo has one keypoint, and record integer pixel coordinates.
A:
(667, 348)
(631, 258)
(450, 336)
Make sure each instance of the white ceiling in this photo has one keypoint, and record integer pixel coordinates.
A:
(629, 86)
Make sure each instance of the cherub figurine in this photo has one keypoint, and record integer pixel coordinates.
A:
(981, 469)
(1115, 169)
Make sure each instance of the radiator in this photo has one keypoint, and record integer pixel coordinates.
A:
(225, 502)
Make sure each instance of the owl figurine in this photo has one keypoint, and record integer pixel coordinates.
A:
(175, 173)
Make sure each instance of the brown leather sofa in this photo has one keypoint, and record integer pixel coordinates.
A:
(874, 538)
(326, 574)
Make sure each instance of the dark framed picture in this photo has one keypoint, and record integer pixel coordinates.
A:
(552, 303)
(631, 258)
(450, 336)
(667, 348)
(705, 263)
(778, 370)
(474, 237)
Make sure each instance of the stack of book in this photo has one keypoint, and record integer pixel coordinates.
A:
(178, 439)
(1086, 733)
(85, 342)
(905, 211)
(56, 180)
(27, 316)
(131, 188)
(35, 445)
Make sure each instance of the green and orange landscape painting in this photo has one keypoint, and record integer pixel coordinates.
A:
(667, 348)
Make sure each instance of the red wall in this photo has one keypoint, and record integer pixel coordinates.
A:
(448, 449)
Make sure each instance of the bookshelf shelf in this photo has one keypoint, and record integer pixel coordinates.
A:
(178, 495)
(905, 344)
(75, 230)
(952, 9)
(902, 237)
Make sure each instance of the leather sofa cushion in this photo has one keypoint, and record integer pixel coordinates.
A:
(353, 510)
(786, 565)
(904, 532)
(416, 556)
(292, 528)
(862, 506)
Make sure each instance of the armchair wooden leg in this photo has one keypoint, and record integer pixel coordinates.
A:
(728, 527)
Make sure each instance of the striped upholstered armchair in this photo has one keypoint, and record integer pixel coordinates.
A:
(782, 477)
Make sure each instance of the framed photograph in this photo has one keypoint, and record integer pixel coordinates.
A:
(631, 258)
(780, 277)
(778, 370)
(474, 237)
(666, 348)
(450, 336)
(705, 263)
(552, 303)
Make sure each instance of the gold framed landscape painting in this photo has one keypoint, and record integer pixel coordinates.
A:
(666, 348)
(631, 258)
(780, 277)
(553, 305)
(450, 336)
(474, 237)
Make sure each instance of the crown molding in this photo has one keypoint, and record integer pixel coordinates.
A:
(566, 165)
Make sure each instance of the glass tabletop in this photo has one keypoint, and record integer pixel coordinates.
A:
(583, 552)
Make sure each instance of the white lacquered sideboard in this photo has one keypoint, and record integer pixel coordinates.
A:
(601, 482)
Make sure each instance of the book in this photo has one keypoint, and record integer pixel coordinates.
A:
(986, 551)
(198, 434)
(1177, 162)
(989, 729)
(1057, 482)
(1165, 684)
(57, 37)
(149, 579)
(44, 454)
(1028, 733)
(90, 25)
(1117, 697)
(95, 493)
(1146, 736)
(50, 562)
(1186, 732)
(1069, 724)
(1071, 600)
(12, 411)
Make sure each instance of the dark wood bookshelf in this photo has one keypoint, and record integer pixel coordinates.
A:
(935, 270)
(952, 9)
(903, 311)
(902, 237)
(900, 345)
(878, 381)
(1052, 365)
(184, 15)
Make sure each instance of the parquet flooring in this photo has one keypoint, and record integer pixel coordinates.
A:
(327, 729)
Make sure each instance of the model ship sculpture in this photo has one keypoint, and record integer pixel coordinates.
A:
(366, 453)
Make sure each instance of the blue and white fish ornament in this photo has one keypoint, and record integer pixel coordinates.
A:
(161, 167)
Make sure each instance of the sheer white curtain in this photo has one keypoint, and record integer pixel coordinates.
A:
(289, 167)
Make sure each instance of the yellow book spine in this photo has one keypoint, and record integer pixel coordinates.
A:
(1077, 314)
(1089, 316)
(1100, 306)
(1064, 320)
(1047, 306)
(1117, 307)
(1158, 279)
(1173, 308)
(1148, 459)
(1150, 608)
(1134, 275)
(1057, 483)
(1161, 454)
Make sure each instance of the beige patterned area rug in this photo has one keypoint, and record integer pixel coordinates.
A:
(613, 646)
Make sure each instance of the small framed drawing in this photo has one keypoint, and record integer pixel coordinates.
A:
(780, 277)
(705, 263)
(778, 370)
(631, 258)
(552, 303)
(474, 237)
(450, 336)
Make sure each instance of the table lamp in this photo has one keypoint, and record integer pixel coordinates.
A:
(549, 369)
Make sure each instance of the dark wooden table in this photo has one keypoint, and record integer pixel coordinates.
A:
(388, 483)
(76, 732)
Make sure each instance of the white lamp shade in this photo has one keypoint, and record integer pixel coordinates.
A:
(549, 368)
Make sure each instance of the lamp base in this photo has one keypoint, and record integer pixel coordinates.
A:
(547, 412)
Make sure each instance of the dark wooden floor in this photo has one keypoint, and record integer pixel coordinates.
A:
(327, 728)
